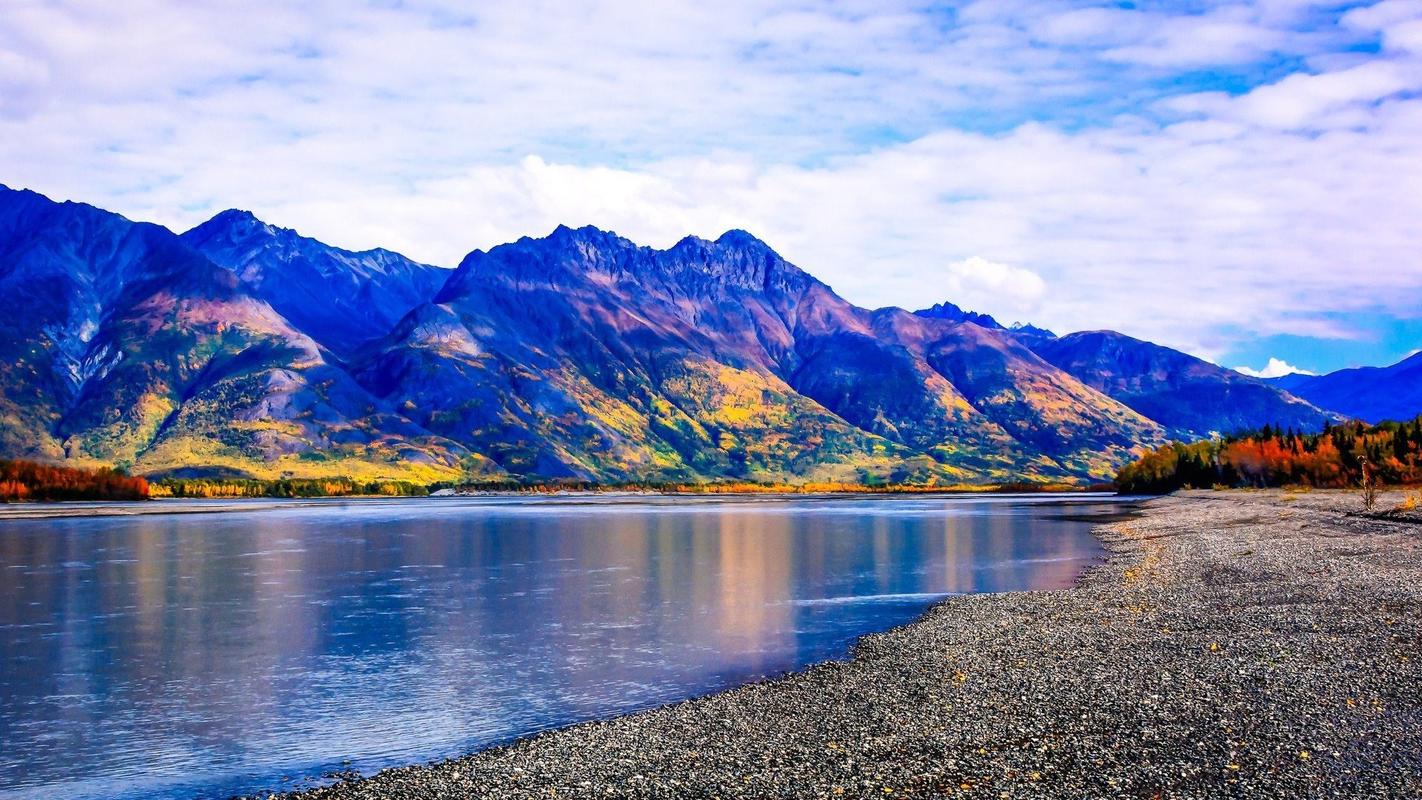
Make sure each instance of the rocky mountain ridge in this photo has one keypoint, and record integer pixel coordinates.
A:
(242, 348)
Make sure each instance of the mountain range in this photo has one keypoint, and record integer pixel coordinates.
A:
(241, 348)
(1372, 394)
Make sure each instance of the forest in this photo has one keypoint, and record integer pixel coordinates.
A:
(29, 480)
(1339, 456)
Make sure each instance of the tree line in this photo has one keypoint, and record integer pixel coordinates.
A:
(1336, 457)
(30, 480)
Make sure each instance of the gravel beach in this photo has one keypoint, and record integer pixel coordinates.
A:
(1235, 644)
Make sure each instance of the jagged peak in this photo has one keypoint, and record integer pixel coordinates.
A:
(691, 240)
(737, 237)
(235, 223)
(235, 215)
(955, 313)
(236, 219)
(585, 233)
(734, 240)
(238, 224)
(735, 258)
(1027, 326)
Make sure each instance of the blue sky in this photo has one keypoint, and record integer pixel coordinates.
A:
(1240, 180)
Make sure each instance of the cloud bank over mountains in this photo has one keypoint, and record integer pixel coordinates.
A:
(1239, 180)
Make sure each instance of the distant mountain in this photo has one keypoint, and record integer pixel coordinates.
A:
(122, 345)
(1372, 394)
(242, 348)
(338, 297)
(953, 313)
(1031, 335)
(1190, 397)
(1023, 332)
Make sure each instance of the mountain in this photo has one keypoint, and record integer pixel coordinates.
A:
(1372, 394)
(123, 345)
(953, 313)
(338, 297)
(582, 354)
(1190, 397)
(1031, 335)
(242, 348)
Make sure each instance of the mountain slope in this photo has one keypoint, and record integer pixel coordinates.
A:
(249, 349)
(125, 346)
(1372, 394)
(338, 297)
(1191, 397)
(584, 354)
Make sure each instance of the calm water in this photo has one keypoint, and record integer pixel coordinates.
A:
(210, 654)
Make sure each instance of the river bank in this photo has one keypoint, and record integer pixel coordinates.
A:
(134, 508)
(1235, 644)
(181, 505)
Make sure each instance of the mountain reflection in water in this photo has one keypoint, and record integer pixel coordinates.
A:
(210, 654)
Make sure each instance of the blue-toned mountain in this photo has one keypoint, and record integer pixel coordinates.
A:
(1372, 394)
(585, 355)
(246, 348)
(1190, 397)
(123, 346)
(338, 297)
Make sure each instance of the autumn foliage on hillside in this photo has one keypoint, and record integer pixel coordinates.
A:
(28, 480)
(1332, 458)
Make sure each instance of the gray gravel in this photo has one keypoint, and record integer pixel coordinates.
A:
(1257, 644)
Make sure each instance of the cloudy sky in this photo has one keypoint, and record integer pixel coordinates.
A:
(1241, 180)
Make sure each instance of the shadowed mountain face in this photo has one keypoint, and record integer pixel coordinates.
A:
(122, 345)
(1372, 394)
(337, 297)
(1191, 397)
(245, 348)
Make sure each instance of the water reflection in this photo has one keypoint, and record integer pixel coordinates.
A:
(210, 654)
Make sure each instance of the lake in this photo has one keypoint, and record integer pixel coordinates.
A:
(210, 654)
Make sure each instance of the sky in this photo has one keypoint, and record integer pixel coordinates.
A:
(1239, 180)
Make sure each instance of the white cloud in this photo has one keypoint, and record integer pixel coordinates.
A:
(976, 282)
(1380, 16)
(1404, 36)
(1276, 368)
(1300, 100)
(876, 144)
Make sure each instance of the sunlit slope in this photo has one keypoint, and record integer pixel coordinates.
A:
(127, 347)
(245, 349)
(583, 355)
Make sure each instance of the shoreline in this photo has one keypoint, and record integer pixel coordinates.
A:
(79, 509)
(1232, 643)
(85, 509)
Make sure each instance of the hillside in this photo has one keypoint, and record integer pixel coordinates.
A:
(1189, 396)
(244, 350)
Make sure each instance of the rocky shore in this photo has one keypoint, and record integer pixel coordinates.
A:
(1236, 644)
